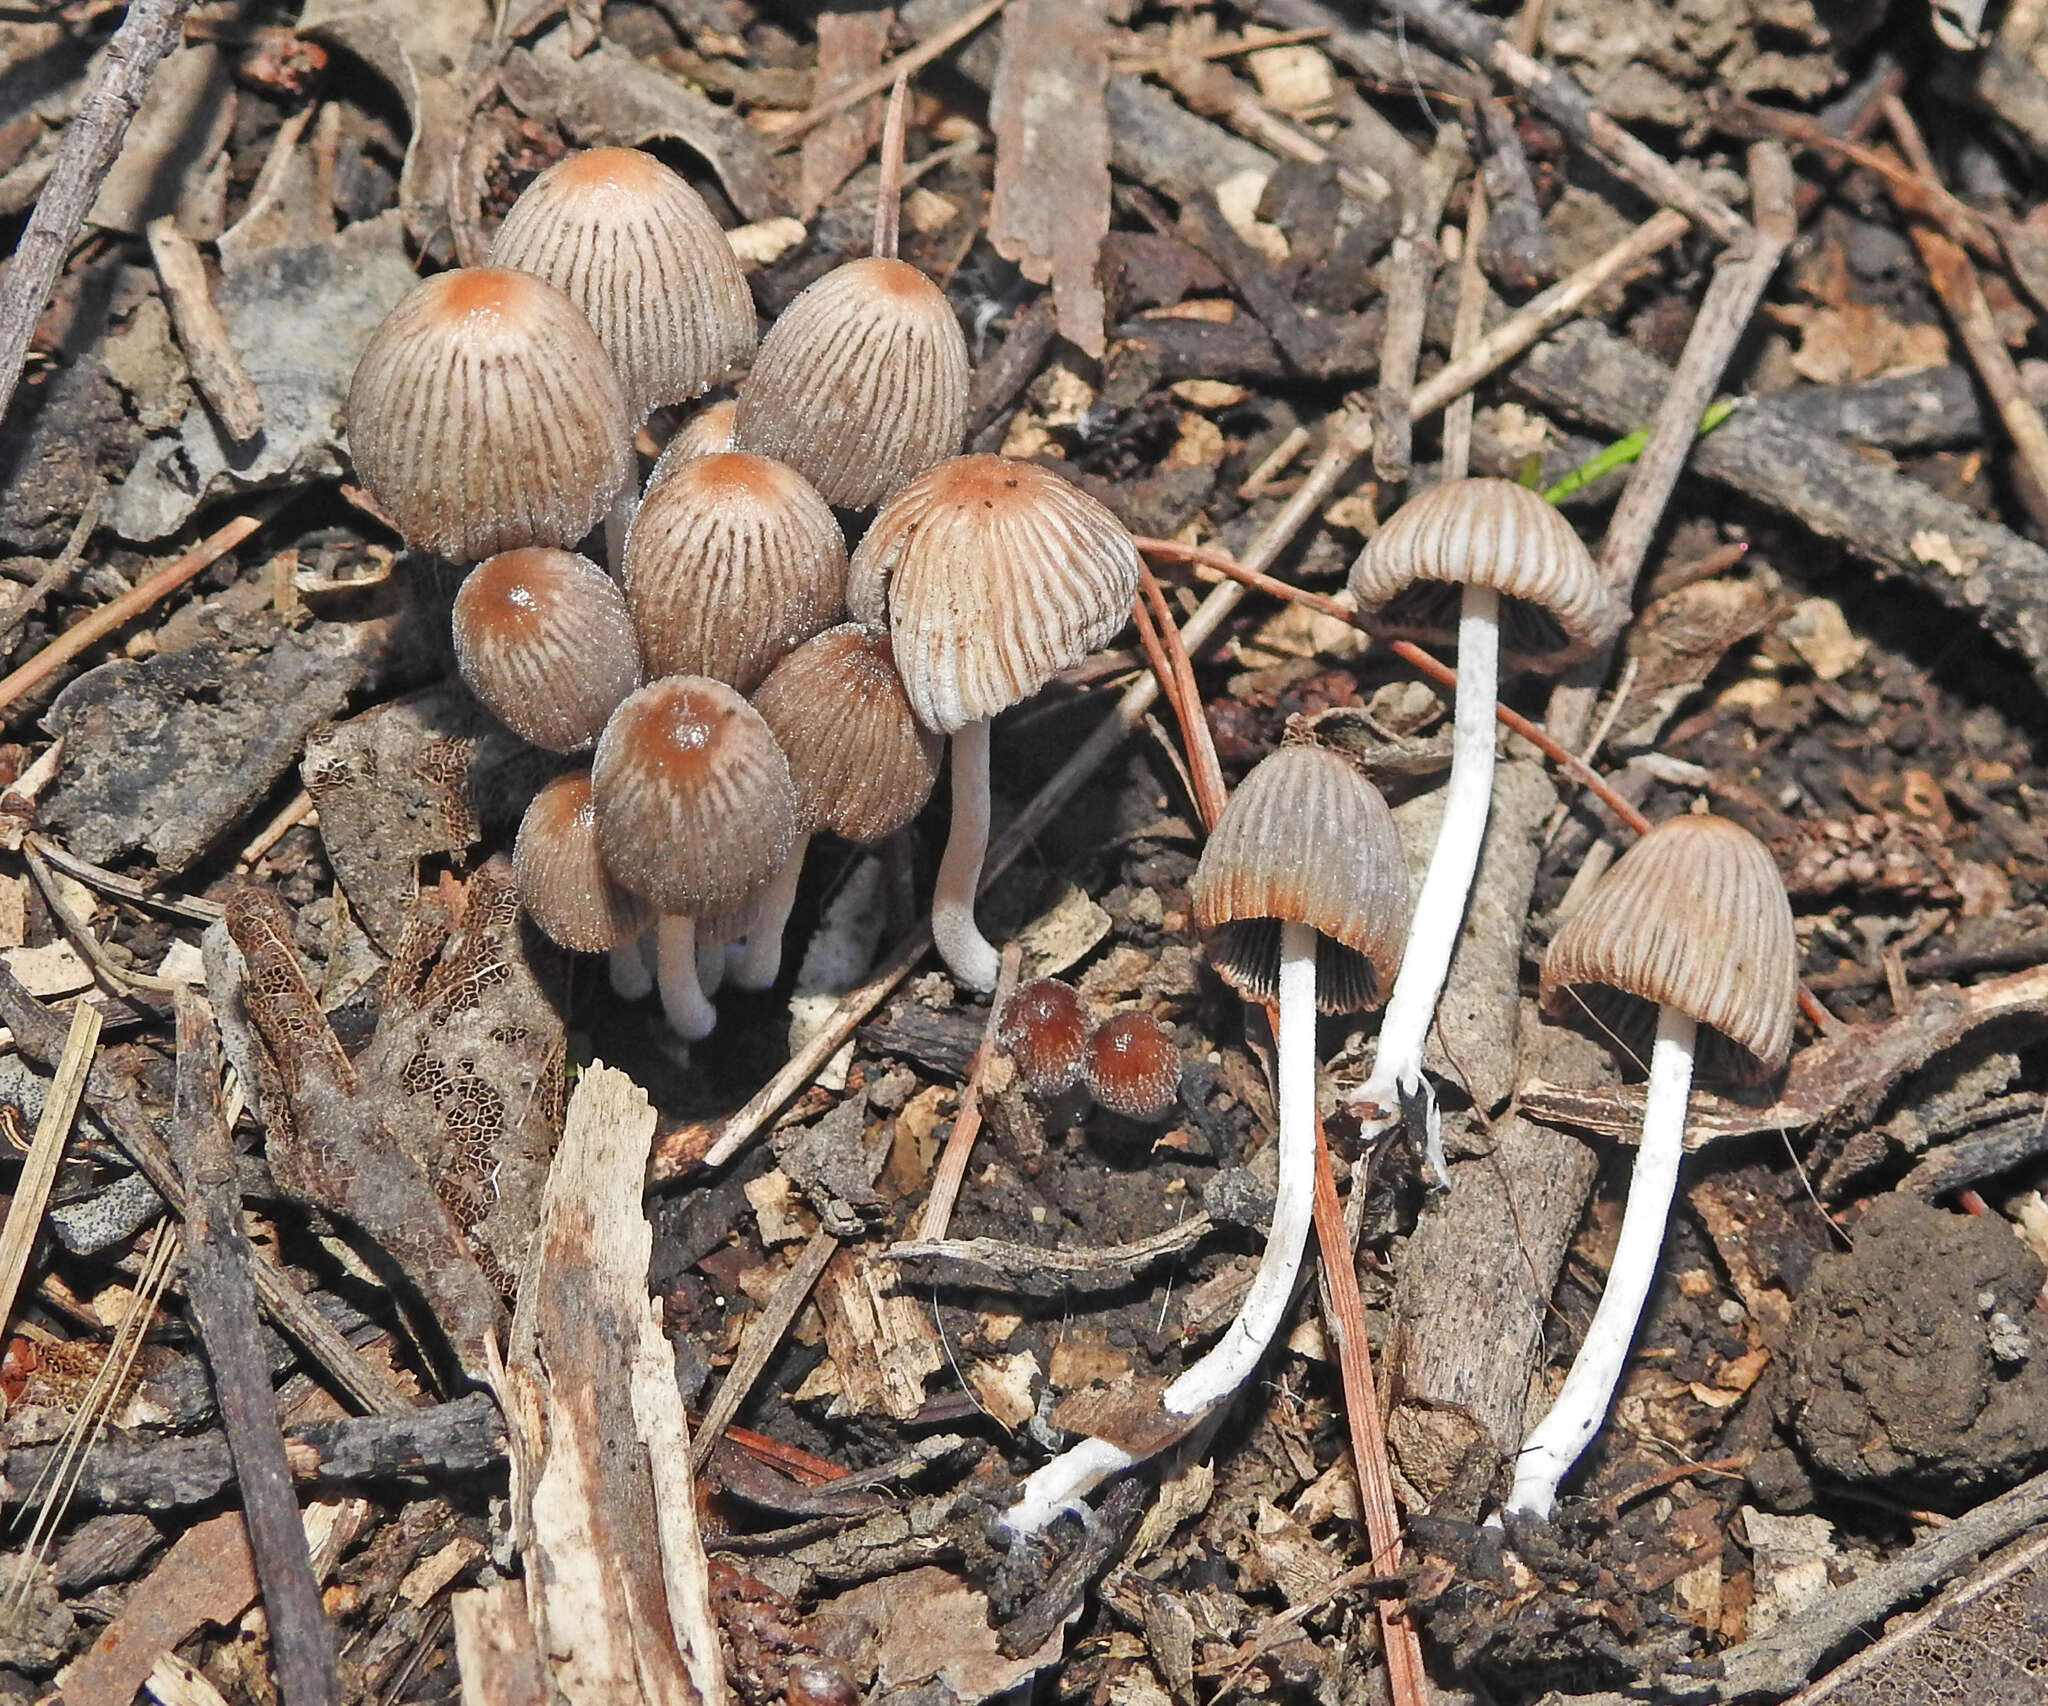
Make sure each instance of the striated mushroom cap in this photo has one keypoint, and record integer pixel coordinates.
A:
(708, 432)
(860, 383)
(543, 639)
(484, 415)
(695, 811)
(1305, 839)
(561, 876)
(862, 764)
(991, 576)
(1554, 608)
(732, 561)
(1045, 1031)
(1693, 916)
(633, 246)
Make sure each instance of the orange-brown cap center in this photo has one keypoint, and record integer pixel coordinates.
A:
(482, 293)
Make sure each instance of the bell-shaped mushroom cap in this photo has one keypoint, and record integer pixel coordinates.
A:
(731, 562)
(860, 383)
(1045, 1031)
(1693, 916)
(1305, 839)
(695, 811)
(992, 576)
(862, 764)
(484, 415)
(561, 876)
(636, 249)
(1134, 1066)
(1494, 533)
(708, 432)
(544, 640)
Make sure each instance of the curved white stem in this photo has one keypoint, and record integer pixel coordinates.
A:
(1232, 1358)
(690, 1013)
(632, 977)
(967, 952)
(711, 963)
(1440, 908)
(1061, 1484)
(1556, 1442)
(760, 961)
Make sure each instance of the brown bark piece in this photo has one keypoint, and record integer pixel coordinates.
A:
(1050, 210)
(882, 1343)
(618, 1589)
(207, 1577)
(850, 46)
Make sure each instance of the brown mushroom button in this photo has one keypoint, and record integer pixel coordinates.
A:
(544, 640)
(561, 876)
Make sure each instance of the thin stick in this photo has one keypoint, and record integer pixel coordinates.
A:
(210, 354)
(122, 888)
(55, 575)
(1544, 312)
(297, 810)
(222, 1298)
(1205, 771)
(688, 1147)
(1368, 1437)
(903, 65)
(1731, 299)
(951, 1171)
(39, 1171)
(1956, 282)
(137, 599)
(889, 191)
(80, 933)
(84, 157)
(758, 1343)
(1469, 323)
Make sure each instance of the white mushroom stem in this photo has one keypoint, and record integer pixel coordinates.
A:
(760, 961)
(1061, 1485)
(690, 1013)
(632, 976)
(1440, 908)
(968, 954)
(711, 963)
(1230, 1361)
(1556, 1442)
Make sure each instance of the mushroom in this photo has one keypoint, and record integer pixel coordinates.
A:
(862, 765)
(695, 814)
(543, 638)
(1046, 1031)
(484, 415)
(1302, 895)
(565, 887)
(991, 576)
(1691, 929)
(1133, 1066)
(633, 246)
(861, 383)
(732, 561)
(707, 432)
(1525, 589)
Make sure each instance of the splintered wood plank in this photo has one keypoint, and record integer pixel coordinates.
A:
(850, 46)
(619, 1592)
(882, 1343)
(1050, 210)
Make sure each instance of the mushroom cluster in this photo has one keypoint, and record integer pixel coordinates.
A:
(1129, 1063)
(740, 679)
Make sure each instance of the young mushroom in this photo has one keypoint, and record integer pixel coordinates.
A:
(862, 765)
(565, 887)
(484, 415)
(732, 561)
(861, 383)
(1302, 896)
(1493, 563)
(1133, 1066)
(1046, 1031)
(543, 638)
(695, 814)
(708, 432)
(991, 577)
(1690, 929)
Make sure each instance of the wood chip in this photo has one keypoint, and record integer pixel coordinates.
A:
(882, 1344)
